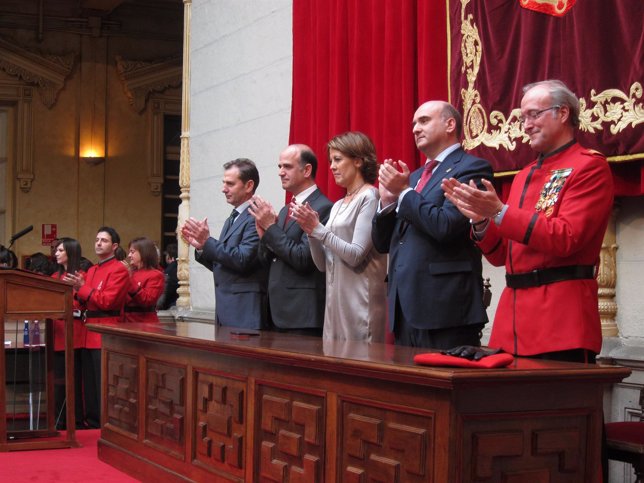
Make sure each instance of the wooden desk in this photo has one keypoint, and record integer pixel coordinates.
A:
(183, 402)
(27, 296)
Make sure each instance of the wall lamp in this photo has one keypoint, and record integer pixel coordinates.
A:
(92, 158)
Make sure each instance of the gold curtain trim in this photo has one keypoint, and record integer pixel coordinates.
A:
(449, 51)
(625, 157)
(611, 159)
(611, 108)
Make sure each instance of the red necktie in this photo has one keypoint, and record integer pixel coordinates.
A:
(427, 173)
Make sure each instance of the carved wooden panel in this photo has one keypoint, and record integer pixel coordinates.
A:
(166, 406)
(290, 435)
(388, 445)
(220, 423)
(122, 392)
(525, 450)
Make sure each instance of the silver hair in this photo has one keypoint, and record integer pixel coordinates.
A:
(561, 95)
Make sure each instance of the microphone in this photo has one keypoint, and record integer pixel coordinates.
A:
(21, 233)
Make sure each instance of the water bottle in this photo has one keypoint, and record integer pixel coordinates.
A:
(25, 334)
(35, 336)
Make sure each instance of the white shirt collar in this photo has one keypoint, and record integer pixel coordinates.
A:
(446, 152)
(303, 195)
(240, 209)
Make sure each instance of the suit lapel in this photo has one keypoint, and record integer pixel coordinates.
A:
(239, 221)
(314, 196)
(282, 215)
(225, 229)
(289, 224)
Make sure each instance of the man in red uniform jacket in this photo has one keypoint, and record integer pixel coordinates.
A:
(102, 294)
(548, 234)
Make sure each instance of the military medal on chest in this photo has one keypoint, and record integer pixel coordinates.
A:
(550, 191)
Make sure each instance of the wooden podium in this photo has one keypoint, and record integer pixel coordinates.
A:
(25, 296)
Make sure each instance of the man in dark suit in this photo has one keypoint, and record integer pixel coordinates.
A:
(169, 297)
(240, 279)
(296, 288)
(435, 285)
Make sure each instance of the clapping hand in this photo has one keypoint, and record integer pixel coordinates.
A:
(476, 204)
(393, 176)
(305, 216)
(74, 278)
(263, 213)
(196, 232)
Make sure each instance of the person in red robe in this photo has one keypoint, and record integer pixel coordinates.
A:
(146, 281)
(548, 234)
(102, 295)
(67, 253)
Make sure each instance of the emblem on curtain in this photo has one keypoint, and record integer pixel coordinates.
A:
(551, 189)
(610, 109)
(558, 8)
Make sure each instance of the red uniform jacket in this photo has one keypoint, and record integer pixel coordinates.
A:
(59, 324)
(557, 215)
(145, 288)
(105, 289)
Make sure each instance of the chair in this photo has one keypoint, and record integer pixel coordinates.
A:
(625, 442)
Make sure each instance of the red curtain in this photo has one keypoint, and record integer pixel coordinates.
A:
(365, 66)
(596, 48)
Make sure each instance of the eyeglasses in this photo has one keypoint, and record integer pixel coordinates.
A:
(534, 114)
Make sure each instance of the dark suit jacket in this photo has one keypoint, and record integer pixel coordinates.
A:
(240, 279)
(169, 296)
(296, 288)
(435, 272)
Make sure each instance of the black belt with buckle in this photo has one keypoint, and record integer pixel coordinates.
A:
(545, 276)
(99, 314)
(140, 309)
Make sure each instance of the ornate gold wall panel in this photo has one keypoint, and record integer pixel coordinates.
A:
(47, 72)
(610, 109)
(140, 79)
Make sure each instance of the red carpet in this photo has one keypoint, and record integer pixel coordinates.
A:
(64, 465)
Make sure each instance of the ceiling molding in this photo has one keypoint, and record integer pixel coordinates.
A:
(140, 79)
(47, 72)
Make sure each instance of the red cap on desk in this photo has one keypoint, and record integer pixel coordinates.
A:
(488, 362)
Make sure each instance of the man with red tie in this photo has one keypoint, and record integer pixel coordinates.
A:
(296, 288)
(435, 285)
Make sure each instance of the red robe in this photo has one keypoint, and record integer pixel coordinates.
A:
(560, 221)
(105, 289)
(145, 288)
(59, 324)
